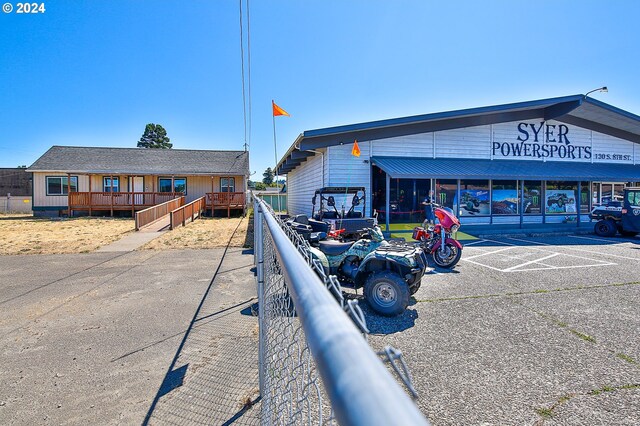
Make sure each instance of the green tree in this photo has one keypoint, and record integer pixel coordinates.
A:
(155, 136)
(260, 186)
(267, 176)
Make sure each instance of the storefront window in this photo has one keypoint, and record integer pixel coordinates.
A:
(607, 192)
(379, 194)
(532, 197)
(505, 197)
(618, 191)
(446, 192)
(474, 198)
(595, 193)
(560, 197)
(584, 197)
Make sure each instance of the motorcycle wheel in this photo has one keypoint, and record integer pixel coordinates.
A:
(605, 228)
(449, 258)
(387, 293)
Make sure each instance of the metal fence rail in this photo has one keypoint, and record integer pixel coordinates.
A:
(315, 365)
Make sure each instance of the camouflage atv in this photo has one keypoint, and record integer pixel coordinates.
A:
(389, 272)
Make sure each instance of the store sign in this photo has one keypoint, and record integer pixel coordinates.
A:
(542, 140)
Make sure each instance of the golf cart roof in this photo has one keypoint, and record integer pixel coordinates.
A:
(340, 189)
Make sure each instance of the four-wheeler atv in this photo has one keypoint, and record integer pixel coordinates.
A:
(616, 216)
(389, 272)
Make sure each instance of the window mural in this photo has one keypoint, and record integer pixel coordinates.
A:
(474, 198)
(505, 197)
(532, 197)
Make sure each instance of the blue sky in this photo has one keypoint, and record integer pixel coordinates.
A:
(94, 72)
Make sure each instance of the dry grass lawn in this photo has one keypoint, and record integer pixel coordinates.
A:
(23, 234)
(206, 233)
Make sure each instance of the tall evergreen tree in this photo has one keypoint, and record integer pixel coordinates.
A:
(155, 136)
(267, 176)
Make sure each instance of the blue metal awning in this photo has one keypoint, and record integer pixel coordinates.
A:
(444, 168)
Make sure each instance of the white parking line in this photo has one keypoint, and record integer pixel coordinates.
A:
(474, 242)
(563, 267)
(482, 264)
(592, 238)
(537, 246)
(489, 252)
(530, 262)
(576, 249)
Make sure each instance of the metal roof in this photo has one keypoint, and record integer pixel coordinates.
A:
(578, 110)
(445, 168)
(77, 159)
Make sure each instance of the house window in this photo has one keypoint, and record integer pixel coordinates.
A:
(106, 184)
(227, 184)
(59, 185)
(179, 185)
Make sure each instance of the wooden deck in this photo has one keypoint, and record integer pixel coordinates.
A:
(135, 201)
(225, 201)
(111, 201)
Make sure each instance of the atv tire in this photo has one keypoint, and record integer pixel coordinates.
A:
(605, 228)
(414, 288)
(387, 293)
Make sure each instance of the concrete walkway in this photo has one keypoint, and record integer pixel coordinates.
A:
(138, 239)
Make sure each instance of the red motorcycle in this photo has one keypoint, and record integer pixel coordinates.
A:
(431, 237)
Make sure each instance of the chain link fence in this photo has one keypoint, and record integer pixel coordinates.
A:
(314, 361)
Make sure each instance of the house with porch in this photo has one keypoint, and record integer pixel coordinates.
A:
(72, 180)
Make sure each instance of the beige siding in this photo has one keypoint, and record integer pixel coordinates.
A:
(40, 197)
(197, 186)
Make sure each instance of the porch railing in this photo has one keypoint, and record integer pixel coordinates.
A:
(225, 199)
(98, 200)
(191, 211)
(147, 216)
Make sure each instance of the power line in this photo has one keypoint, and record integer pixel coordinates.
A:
(249, 67)
(244, 102)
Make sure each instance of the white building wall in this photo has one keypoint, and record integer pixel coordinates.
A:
(301, 185)
(421, 146)
(605, 147)
(348, 170)
(470, 142)
(478, 142)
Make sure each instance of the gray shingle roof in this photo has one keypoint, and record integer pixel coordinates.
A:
(75, 159)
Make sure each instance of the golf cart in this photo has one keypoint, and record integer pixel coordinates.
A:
(325, 208)
(619, 216)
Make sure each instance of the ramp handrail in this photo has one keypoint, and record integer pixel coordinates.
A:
(147, 216)
(360, 389)
(192, 210)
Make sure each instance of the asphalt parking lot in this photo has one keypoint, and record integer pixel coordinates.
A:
(117, 338)
(532, 330)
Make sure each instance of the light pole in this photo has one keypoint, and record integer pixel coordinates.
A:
(600, 89)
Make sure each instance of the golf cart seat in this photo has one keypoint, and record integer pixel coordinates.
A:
(334, 248)
(328, 214)
(354, 215)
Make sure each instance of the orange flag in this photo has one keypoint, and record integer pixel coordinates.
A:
(355, 151)
(278, 111)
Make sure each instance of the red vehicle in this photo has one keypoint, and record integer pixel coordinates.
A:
(431, 237)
